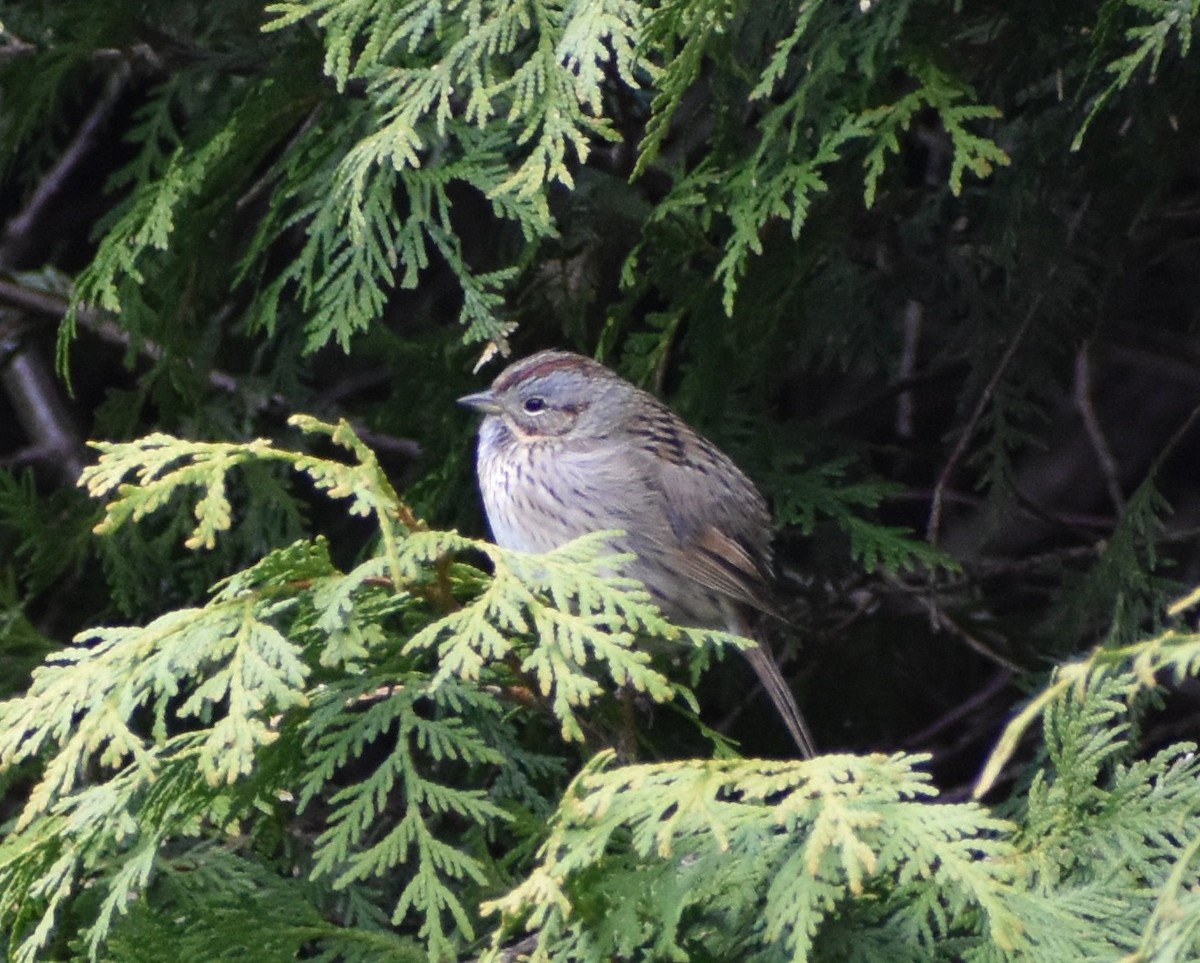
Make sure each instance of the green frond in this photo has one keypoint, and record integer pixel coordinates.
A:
(813, 838)
(805, 494)
(300, 722)
(1134, 668)
(970, 152)
(1159, 21)
(352, 850)
(1119, 595)
(578, 613)
(511, 104)
(293, 659)
(685, 32)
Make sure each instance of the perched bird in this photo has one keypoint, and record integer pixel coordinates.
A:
(568, 447)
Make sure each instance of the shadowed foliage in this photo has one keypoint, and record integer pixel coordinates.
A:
(927, 270)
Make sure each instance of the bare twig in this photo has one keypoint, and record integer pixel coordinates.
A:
(1104, 455)
(405, 448)
(260, 185)
(15, 46)
(514, 951)
(1173, 442)
(41, 411)
(933, 529)
(913, 315)
(103, 327)
(1076, 221)
(1006, 568)
(941, 620)
(100, 325)
(30, 299)
(19, 230)
(969, 707)
(865, 401)
(26, 376)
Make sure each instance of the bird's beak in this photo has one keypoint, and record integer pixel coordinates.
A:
(483, 401)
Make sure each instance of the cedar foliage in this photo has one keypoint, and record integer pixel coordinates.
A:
(927, 271)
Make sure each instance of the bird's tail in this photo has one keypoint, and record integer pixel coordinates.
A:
(768, 673)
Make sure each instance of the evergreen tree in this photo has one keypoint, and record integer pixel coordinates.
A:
(927, 270)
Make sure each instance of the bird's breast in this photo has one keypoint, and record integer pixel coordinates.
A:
(539, 495)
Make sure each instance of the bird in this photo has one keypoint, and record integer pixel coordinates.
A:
(568, 447)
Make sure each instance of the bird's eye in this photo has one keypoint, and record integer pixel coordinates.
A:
(535, 404)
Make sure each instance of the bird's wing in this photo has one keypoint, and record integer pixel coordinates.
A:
(712, 511)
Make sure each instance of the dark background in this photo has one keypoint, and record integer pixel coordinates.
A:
(995, 385)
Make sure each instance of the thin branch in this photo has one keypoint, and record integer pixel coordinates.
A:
(1028, 564)
(1173, 442)
(1087, 411)
(103, 327)
(514, 951)
(27, 378)
(18, 231)
(15, 47)
(975, 644)
(42, 412)
(968, 708)
(941, 620)
(260, 185)
(913, 315)
(933, 529)
(31, 299)
(865, 400)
